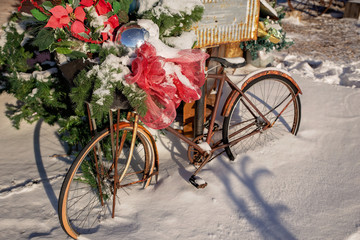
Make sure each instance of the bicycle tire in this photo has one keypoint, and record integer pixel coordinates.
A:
(80, 206)
(265, 92)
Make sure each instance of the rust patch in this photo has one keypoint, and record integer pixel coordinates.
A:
(271, 72)
(227, 21)
(230, 101)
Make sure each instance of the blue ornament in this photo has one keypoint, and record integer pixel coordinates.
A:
(131, 35)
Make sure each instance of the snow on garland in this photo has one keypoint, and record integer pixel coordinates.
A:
(63, 54)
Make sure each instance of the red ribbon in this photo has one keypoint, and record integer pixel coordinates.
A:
(167, 82)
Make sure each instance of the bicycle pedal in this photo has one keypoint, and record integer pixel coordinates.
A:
(197, 182)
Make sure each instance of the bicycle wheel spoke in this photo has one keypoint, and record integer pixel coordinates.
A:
(275, 98)
(77, 199)
(75, 215)
(87, 194)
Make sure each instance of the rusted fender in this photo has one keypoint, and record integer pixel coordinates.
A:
(230, 101)
(269, 71)
(156, 153)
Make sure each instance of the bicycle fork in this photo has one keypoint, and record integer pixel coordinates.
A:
(118, 149)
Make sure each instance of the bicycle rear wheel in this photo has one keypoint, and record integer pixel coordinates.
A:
(272, 95)
(86, 196)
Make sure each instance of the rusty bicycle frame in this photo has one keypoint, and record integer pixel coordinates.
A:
(220, 145)
(133, 118)
(216, 146)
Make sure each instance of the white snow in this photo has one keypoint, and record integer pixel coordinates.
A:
(111, 70)
(293, 20)
(97, 21)
(300, 187)
(322, 71)
(235, 60)
(205, 146)
(169, 6)
(146, 5)
(184, 5)
(33, 92)
(161, 48)
(184, 41)
(171, 69)
(44, 75)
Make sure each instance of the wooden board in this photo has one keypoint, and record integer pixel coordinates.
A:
(352, 9)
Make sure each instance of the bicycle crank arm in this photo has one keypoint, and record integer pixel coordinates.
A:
(197, 182)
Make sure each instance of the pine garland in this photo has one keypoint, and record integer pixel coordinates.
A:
(52, 99)
(99, 84)
(172, 25)
(32, 56)
(136, 97)
(254, 46)
(13, 56)
(263, 43)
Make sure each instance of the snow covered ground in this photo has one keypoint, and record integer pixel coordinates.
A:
(301, 187)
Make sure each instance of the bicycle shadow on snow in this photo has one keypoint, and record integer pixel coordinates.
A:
(43, 169)
(44, 178)
(178, 154)
(268, 224)
(267, 218)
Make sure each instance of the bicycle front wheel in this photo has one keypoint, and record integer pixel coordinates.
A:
(275, 97)
(87, 193)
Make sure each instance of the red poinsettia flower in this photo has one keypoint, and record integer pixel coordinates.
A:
(62, 16)
(109, 26)
(78, 16)
(101, 6)
(113, 21)
(87, 3)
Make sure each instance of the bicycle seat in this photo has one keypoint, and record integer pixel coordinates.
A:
(229, 62)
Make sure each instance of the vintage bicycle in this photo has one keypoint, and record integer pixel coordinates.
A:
(262, 108)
